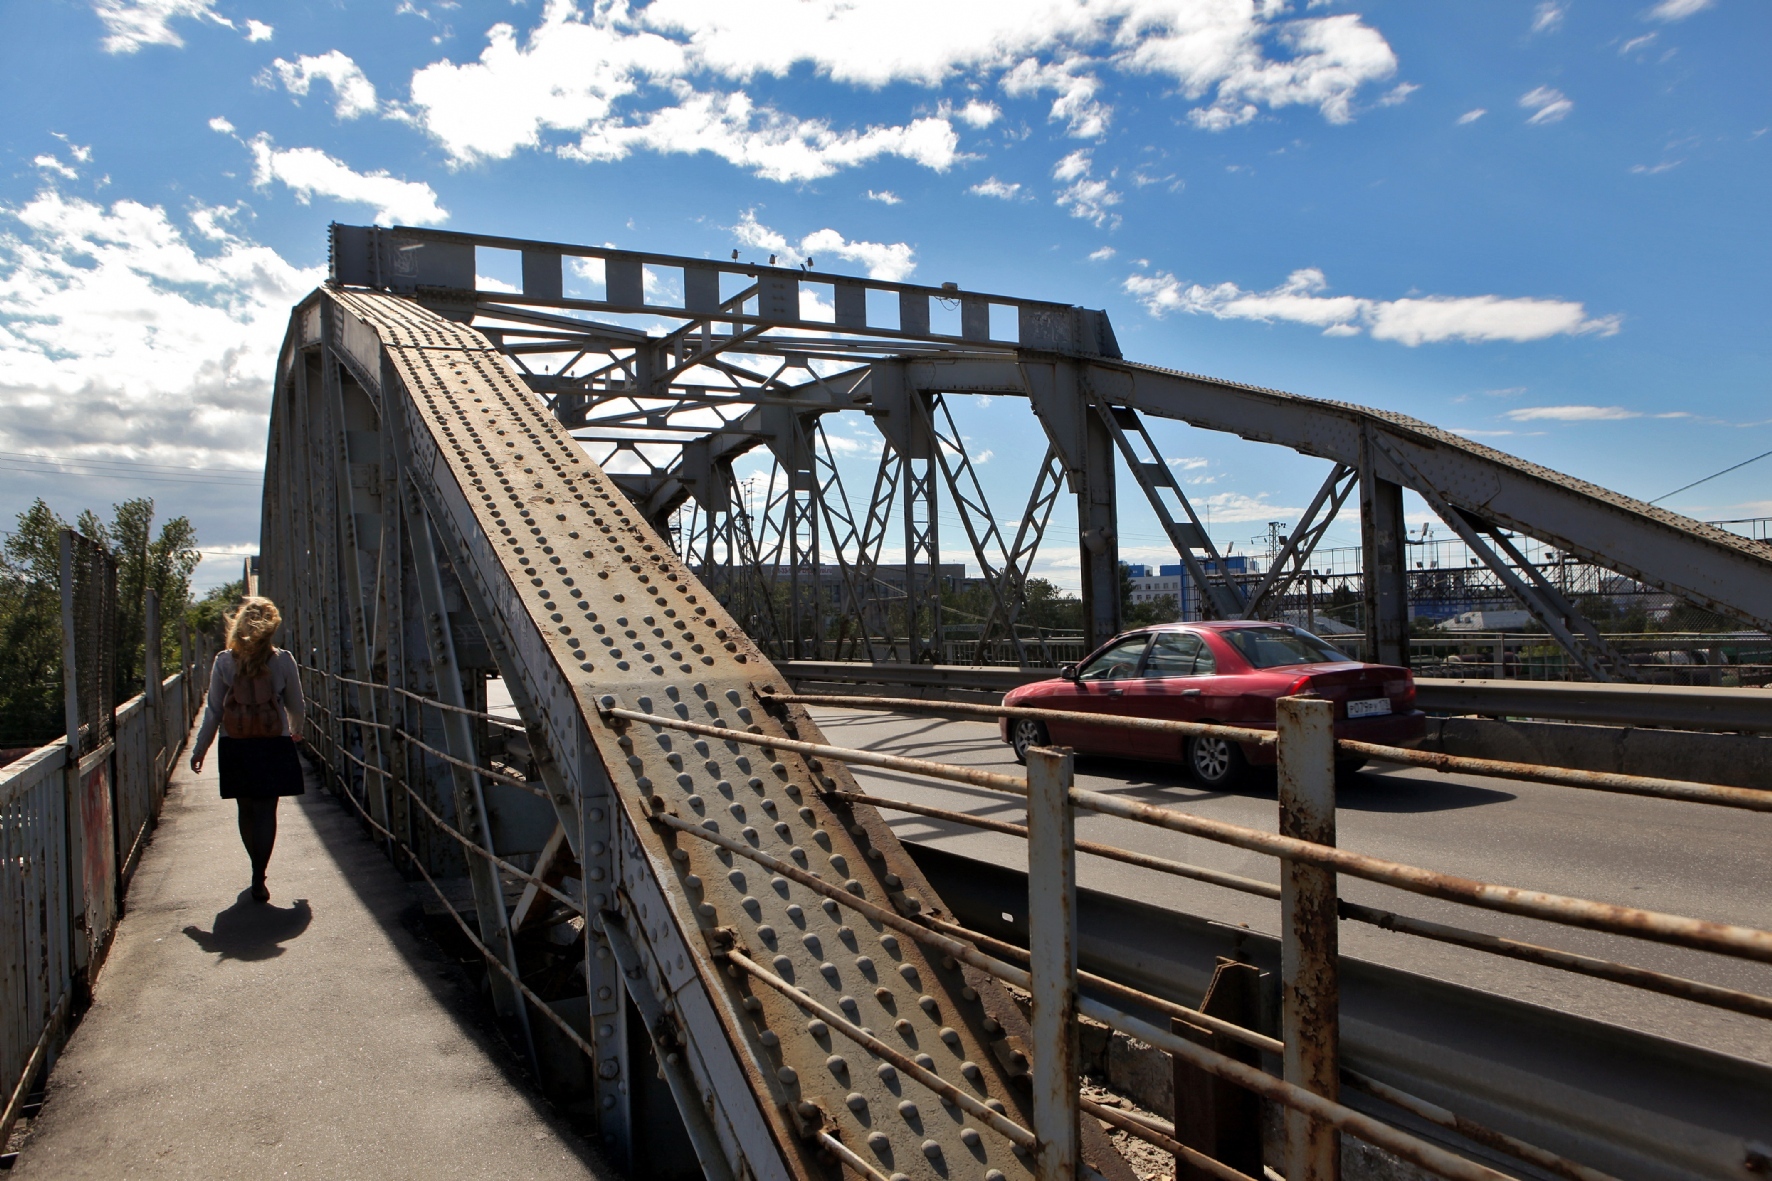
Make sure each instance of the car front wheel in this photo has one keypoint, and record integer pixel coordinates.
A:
(1215, 761)
(1026, 732)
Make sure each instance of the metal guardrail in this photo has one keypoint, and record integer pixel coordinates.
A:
(60, 888)
(1671, 706)
(1628, 1103)
(1307, 1049)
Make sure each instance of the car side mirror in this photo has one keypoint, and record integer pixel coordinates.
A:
(1067, 672)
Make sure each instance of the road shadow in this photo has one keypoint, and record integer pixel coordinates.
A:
(251, 930)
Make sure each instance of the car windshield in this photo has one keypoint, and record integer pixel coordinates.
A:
(1272, 647)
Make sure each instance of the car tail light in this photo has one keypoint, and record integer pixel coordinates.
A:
(1401, 692)
(1302, 687)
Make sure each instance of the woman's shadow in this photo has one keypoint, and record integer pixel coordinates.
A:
(251, 930)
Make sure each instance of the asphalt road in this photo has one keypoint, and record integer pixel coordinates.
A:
(1687, 859)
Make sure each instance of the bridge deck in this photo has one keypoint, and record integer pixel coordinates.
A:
(316, 1037)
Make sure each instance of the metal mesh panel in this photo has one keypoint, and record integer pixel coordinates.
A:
(90, 608)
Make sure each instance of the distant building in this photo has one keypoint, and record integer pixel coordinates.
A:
(1173, 582)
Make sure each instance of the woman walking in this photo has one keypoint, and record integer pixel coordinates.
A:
(255, 699)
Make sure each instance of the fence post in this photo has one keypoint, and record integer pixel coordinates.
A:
(156, 713)
(188, 677)
(1309, 950)
(1052, 948)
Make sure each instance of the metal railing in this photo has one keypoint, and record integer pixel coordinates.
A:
(1298, 1069)
(71, 834)
(1304, 1054)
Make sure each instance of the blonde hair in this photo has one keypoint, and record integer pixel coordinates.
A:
(250, 630)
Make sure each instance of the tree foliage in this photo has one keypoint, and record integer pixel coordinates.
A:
(30, 607)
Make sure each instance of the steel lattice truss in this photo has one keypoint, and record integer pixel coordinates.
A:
(668, 369)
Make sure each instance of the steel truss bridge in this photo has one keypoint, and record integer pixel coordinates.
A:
(434, 517)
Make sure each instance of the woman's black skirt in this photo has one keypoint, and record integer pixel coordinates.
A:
(259, 768)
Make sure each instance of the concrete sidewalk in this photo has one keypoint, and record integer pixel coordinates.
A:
(316, 1036)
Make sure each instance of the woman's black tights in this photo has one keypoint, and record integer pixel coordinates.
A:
(258, 832)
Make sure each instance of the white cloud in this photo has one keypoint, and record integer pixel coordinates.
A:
(891, 262)
(131, 24)
(1206, 47)
(975, 113)
(1089, 199)
(80, 152)
(1398, 94)
(1231, 507)
(566, 76)
(258, 31)
(50, 164)
(1548, 16)
(1410, 321)
(1075, 105)
(1189, 463)
(353, 93)
(772, 145)
(1546, 104)
(1472, 116)
(568, 72)
(992, 187)
(1102, 255)
(120, 338)
(885, 197)
(222, 125)
(1678, 10)
(1636, 43)
(309, 172)
(1571, 413)
(1072, 166)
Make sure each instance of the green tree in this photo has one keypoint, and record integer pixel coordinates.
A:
(30, 607)
(31, 711)
(209, 615)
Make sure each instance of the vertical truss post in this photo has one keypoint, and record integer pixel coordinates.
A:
(1309, 947)
(1052, 950)
(1086, 447)
(1386, 557)
(1097, 518)
(922, 560)
(470, 802)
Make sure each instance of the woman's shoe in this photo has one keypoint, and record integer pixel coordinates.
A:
(259, 893)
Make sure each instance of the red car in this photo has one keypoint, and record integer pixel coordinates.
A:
(1214, 672)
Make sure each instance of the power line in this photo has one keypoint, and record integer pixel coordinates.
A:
(129, 463)
(1712, 476)
(45, 466)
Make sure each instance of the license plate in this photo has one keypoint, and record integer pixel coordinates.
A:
(1369, 709)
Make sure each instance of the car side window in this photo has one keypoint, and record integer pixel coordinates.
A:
(1178, 654)
(1118, 663)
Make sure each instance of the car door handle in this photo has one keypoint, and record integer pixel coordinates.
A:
(1116, 692)
(1190, 692)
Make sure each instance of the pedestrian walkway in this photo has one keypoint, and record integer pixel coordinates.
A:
(318, 1036)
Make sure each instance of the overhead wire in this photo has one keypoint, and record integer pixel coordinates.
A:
(1712, 476)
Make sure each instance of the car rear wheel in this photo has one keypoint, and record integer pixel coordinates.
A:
(1025, 732)
(1216, 761)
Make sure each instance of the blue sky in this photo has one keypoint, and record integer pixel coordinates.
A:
(1543, 224)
